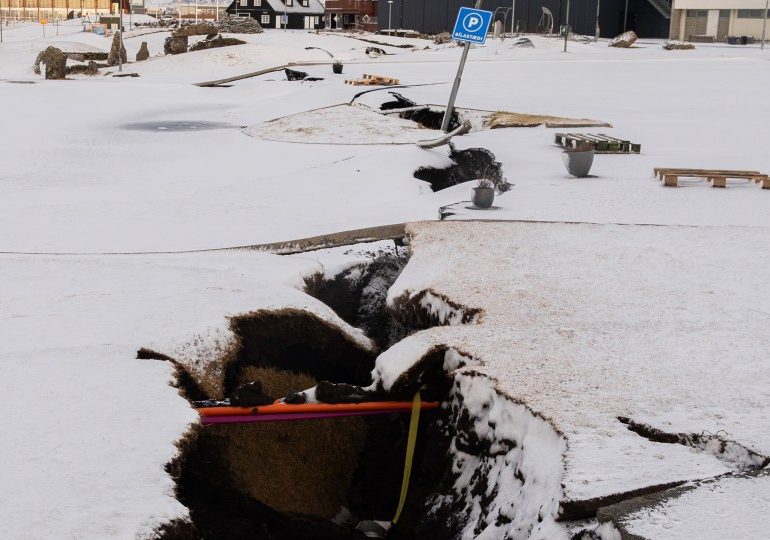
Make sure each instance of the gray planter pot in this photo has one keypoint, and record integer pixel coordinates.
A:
(578, 163)
(483, 197)
(337, 68)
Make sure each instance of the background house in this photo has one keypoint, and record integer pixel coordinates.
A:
(300, 14)
(352, 14)
(717, 19)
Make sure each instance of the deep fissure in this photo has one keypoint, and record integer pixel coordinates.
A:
(309, 479)
(317, 479)
(469, 164)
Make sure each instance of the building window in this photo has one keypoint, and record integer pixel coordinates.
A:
(244, 3)
(750, 14)
(265, 19)
(289, 2)
(258, 3)
(317, 20)
(697, 13)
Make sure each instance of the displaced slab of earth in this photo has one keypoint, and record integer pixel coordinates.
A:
(585, 324)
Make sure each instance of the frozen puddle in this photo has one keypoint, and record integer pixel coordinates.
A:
(178, 125)
(320, 126)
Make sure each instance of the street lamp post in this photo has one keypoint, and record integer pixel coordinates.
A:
(390, 13)
(764, 25)
(625, 17)
(596, 36)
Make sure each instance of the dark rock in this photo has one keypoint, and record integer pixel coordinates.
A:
(201, 29)
(624, 40)
(374, 52)
(144, 52)
(86, 56)
(117, 51)
(215, 43)
(677, 46)
(250, 395)
(92, 68)
(327, 392)
(175, 45)
(294, 75)
(55, 62)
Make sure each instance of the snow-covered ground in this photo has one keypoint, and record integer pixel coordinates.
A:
(88, 168)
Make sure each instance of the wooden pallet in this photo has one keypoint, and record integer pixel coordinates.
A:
(603, 144)
(373, 80)
(717, 177)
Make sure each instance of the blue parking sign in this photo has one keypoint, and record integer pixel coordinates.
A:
(472, 25)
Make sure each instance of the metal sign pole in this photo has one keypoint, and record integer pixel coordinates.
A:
(451, 105)
(120, 45)
(764, 25)
(566, 29)
(596, 36)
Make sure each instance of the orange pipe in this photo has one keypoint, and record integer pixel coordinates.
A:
(283, 408)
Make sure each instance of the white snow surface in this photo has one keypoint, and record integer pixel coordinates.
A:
(584, 323)
(88, 428)
(83, 445)
(726, 508)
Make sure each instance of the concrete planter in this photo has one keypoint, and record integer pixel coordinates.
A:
(578, 163)
(482, 197)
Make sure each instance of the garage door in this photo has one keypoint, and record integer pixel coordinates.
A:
(695, 23)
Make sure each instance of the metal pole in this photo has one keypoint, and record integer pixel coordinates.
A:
(764, 25)
(120, 45)
(566, 29)
(513, 17)
(625, 17)
(596, 37)
(390, 14)
(216, 16)
(196, 11)
(456, 86)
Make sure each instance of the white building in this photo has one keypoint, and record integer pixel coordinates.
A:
(717, 19)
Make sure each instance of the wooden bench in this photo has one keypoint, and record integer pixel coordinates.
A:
(717, 177)
(602, 144)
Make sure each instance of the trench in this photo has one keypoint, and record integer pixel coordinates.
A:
(311, 479)
(318, 479)
(427, 117)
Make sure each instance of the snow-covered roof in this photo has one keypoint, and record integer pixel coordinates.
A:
(314, 7)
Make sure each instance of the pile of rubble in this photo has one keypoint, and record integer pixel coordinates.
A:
(239, 25)
(227, 24)
(178, 43)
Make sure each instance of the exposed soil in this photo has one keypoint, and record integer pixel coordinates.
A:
(427, 118)
(469, 164)
(358, 295)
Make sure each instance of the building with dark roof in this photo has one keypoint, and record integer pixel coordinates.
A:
(291, 14)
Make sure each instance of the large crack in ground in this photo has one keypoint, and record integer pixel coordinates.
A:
(484, 465)
(732, 453)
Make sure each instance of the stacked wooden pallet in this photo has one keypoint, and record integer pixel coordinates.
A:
(373, 80)
(717, 177)
(602, 144)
